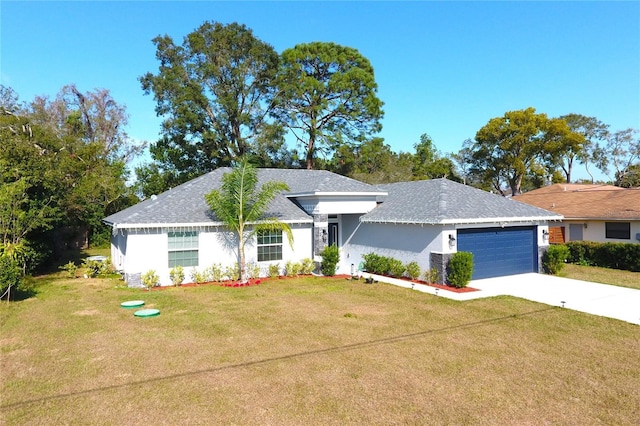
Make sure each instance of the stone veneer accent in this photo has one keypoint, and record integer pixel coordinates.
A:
(541, 251)
(440, 261)
(320, 223)
(133, 280)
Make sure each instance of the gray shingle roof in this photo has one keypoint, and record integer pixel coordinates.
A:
(185, 204)
(441, 201)
(317, 181)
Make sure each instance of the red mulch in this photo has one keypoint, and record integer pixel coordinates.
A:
(447, 287)
(253, 282)
(440, 286)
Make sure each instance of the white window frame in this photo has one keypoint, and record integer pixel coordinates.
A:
(183, 248)
(271, 249)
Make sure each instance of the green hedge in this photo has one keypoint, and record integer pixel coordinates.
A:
(389, 266)
(554, 258)
(624, 256)
(376, 264)
(330, 258)
(460, 269)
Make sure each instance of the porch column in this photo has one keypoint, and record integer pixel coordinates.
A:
(320, 233)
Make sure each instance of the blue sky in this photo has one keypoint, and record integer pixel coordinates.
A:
(443, 68)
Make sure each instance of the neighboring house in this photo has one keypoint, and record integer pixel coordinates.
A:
(425, 221)
(602, 213)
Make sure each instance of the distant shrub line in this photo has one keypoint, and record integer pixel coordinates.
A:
(623, 256)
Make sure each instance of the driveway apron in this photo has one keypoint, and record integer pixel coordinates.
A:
(598, 299)
(593, 298)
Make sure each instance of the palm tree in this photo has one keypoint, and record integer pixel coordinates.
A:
(241, 207)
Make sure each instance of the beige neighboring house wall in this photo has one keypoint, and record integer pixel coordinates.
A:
(601, 213)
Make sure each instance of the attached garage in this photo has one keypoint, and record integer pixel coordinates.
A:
(500, 251)
(429, 221)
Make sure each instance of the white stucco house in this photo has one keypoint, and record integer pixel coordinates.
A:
(426, 221)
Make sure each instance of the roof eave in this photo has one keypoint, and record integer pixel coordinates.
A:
(502, 220)
(190, 225)
(603, 218)
(464, 221)
(335, 194)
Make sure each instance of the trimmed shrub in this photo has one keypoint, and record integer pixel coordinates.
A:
(431, 276)
(150, 279)
(395, 268)
(274, 270)
(177, 275)
(232, 272)
(554, 258)
(460, 269)
(307, 266)
(213, 273)
(412, 270)
(375, 264)
(292, 269)
(330, 258)
(198, 277)
(253, 270)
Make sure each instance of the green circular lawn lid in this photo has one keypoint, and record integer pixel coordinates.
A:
(132, 303)
(147, 313)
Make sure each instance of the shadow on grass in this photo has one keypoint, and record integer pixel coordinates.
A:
(20, 294)
(27, 289)
(335, 349)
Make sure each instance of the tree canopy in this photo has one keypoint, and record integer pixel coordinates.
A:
(214, 92)
(371, 161)
(509, 147)
(429, 163)
(622, 153)
(587, 150)
(55, 173)
(327, 97)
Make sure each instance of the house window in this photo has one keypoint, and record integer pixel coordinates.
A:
(618, 230)
(269, 245)
(183, 249)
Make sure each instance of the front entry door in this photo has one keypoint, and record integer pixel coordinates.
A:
(333, 234)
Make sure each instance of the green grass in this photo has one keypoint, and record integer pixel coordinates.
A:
(601, 275)
(308, 351)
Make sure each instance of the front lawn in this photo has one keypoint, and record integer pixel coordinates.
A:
(308, 351)
(601, 275)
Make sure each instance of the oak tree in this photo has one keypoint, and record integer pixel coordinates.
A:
(214, 92)
(509, 147)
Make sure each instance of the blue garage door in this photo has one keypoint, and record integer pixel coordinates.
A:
(500, 251)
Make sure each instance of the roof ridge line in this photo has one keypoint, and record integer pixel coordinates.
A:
(442, 200)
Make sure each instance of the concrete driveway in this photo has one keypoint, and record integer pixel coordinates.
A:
(597, 299)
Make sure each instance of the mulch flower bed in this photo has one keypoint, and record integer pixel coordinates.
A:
(447, 287)
(253, 282)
